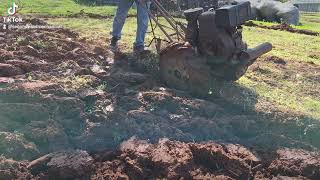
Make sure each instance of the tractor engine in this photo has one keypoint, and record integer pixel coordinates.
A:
(214, 50)
(217, 35)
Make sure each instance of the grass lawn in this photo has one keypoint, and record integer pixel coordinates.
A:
(286, 45)
(310, 22)
(4, 5)
(56, 8)
(273, 84)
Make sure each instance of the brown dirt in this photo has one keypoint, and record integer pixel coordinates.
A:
(82, 14)
(167, 159)
(62, 93)
(276, 60)
(10, 169)
(283, 27)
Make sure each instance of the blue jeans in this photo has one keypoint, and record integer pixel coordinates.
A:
(142, 20)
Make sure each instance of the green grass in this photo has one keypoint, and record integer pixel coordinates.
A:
(291, 93)
(286, 45)
(310, 22)
(287, 95)
(56, 8)
(4, 5)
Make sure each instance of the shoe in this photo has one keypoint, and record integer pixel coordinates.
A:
(114, 44)
(140, 49)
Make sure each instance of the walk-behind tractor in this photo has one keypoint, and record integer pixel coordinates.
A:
(206, 50)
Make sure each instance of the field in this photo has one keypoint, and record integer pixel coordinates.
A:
(287, 46)
(62, 89)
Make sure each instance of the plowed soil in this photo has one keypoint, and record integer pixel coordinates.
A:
(59, 93)
(283, 27)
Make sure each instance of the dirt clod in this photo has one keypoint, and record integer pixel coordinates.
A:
(10, 169)
(63, 165)
(7, 70)
(296, 162)
(276, 60)
(176, 160)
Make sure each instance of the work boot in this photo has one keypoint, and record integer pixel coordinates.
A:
(140, 49)
(114, 44)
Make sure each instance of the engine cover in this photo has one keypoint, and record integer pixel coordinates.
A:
(233, 15)
(220, 42)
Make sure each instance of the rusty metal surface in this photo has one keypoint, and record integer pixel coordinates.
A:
(182, 69)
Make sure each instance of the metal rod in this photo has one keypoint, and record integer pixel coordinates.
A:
(256, 52)
(168, 17)
(164, 11)
(160, 26)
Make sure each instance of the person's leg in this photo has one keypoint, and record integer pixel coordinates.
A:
(142, 21)
(120, 17)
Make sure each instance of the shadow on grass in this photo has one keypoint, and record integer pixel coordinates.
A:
(152, 111)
